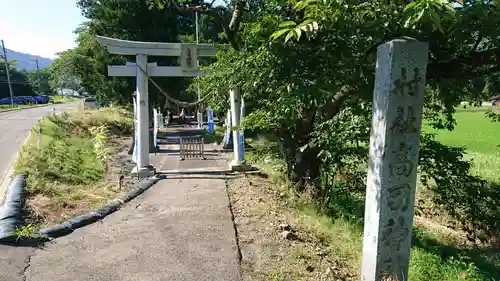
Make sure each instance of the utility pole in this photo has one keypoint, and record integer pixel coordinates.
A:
(38, 75)
(198, 84)
(197, 41)
(197, 60)
(197, 29)
(7, 71)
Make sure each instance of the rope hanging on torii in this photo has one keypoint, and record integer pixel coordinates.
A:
(175, 101)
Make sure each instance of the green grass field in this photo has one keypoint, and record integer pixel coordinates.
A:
(480, 136)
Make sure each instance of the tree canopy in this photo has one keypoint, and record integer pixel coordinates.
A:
(129, 20)
(308, 65)
(39, 79)
(21, 85)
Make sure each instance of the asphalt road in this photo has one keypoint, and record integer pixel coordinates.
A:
(14, 128)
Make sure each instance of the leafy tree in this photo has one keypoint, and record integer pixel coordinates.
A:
(20, 82)
(84, 67)
(307, 69)
(39, 80)
(325, 64)
(492, 85)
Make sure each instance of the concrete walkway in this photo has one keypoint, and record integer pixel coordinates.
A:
(180, 229)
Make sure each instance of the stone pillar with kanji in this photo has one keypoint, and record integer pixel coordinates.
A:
(393, 158)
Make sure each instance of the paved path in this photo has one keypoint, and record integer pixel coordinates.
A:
(180, 229)
(14, 128)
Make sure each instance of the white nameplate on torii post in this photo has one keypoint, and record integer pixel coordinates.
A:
(189, 58)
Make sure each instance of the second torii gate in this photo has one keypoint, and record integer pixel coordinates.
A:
(189, 54)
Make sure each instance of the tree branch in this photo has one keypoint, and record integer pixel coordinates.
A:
(333, 107)
(239, 9)
(466, 67)
(219, 15)
(479, 39)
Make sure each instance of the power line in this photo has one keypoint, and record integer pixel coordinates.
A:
(37, 74)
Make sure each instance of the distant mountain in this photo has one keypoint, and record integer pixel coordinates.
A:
(27, 61)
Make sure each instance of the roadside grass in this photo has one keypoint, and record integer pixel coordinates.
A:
(68, 164)
(438, 252)
(63, 99)
(21, 106)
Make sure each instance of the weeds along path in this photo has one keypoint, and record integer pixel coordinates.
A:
(15, 127)
(75, 165)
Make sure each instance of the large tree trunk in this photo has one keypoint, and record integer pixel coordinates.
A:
(303, 167)
(288, 150)
(307, 168)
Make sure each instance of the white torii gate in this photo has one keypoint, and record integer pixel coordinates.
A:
(189, 54)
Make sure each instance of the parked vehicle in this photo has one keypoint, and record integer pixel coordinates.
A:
(22, 100)
(46, 99)
(495, 100)
(90, 103)
(5, 101)
(29, 99)
(17, 100)
(39, 99)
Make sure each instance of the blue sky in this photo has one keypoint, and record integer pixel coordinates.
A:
(39, 27)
